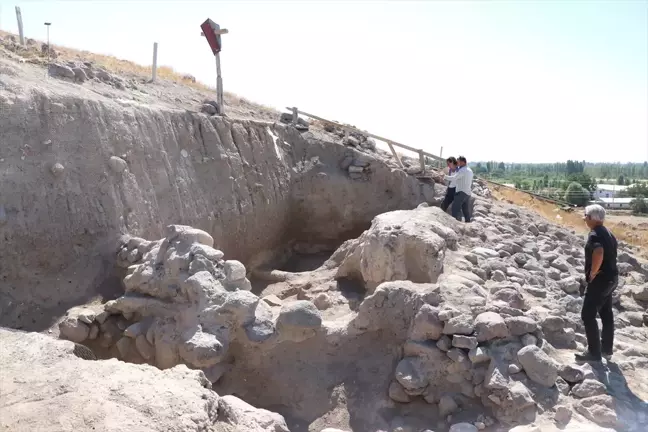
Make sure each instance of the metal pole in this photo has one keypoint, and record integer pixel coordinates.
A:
(154, 75)
(20, 26)
(219, 85)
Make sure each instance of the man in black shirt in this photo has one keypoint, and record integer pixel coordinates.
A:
(602, 279)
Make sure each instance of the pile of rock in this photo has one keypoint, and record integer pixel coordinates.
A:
(80, 72)
(185, 304)
(483, 330)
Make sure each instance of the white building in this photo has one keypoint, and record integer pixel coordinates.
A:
(608, 190)
(615, 203)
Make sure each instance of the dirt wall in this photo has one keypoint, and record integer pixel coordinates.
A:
(79, 170)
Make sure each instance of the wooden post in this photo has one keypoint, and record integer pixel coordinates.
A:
(219, 85)
(391, 147)
(422, 160)
(441, 155)
(154, 76)
(295, 117)
(20, 26)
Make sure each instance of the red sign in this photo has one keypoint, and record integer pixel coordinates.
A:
(210, 30)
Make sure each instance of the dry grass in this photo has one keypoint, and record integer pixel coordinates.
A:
(111, 63)
(629, 233)
(32, 53)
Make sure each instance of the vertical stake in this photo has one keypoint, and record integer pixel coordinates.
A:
(219, 86)
(295, 116)
(20, 26)
(154, 76)
(422, 161)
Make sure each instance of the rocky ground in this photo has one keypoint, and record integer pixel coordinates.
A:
(416, 323)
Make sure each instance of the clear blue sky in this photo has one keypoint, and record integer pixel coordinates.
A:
(506, 80)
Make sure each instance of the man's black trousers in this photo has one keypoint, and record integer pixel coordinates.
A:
(598, 301)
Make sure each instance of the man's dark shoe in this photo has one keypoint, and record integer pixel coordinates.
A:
(588, 356)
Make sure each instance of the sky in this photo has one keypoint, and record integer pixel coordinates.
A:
(513, 81)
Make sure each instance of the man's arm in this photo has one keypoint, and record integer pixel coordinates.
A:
(597, 261)
(459, 174)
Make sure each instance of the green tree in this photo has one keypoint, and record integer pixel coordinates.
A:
(621, 180)
(639, 205)
(576, 194)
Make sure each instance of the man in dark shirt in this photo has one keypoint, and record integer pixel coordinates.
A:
(450, 191)
(602, 279)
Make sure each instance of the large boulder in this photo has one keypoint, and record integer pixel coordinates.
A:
(400, 245)
(539, 367)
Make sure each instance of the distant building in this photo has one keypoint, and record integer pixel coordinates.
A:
(615, 203)
(608, 190)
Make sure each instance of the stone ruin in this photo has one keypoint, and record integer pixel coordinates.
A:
(478, 339)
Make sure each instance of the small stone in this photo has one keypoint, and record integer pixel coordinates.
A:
(123, 346)
(146, 350)
(563, 415)
(539, 367)
(569, 285)
(528, 340)
(397, 392)
(444, 343)
(322, 301)
(101, 317)
(208, 109)
(498, 276)
(234, 270)
(409, 374)
(478, 355)
(485, 253)
(79, 75)
(588, 388)
(74, 330)
(426, 324)
(57, 169)
(446, 314)
(117, 164)
(273, 300)
(572, 373)
(94, 331)
(562, 386)
(490, 325)
(520, 325)
(467, 342)
(461, 325)
(447, 405)
(513, 369)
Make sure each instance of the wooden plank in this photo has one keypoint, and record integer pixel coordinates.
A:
(378, 137)
(391, 147)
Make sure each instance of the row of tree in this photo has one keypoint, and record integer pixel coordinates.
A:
(596, 170)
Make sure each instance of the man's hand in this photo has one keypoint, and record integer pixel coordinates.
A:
(593, 275)
(582, 287)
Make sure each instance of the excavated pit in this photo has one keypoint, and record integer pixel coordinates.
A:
(282, 265)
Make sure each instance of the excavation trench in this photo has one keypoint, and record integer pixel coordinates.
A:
(277, 200)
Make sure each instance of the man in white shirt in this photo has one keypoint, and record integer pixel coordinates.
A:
(462, 180)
